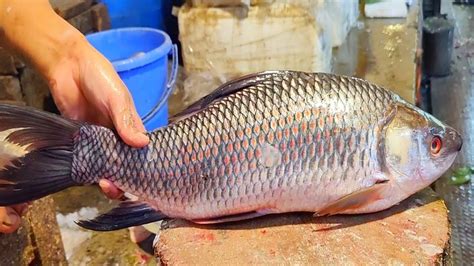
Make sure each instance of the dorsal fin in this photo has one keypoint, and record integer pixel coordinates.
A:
(222, 91)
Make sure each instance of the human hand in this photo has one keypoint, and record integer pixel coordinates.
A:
(10, 217)
(84, 85)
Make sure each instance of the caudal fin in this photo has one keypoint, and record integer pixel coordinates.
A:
(35, 153)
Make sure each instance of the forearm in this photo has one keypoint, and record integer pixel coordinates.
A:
(33, 30)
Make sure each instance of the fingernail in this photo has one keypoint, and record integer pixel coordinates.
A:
(104, 186)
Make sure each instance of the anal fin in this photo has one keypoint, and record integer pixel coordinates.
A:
(232, 218)
(354, 200)
(127, 214)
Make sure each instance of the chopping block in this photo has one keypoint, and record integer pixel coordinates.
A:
(416, 231)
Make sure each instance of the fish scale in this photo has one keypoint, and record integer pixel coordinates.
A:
(233, 176)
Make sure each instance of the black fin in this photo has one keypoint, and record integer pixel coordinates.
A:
(127, 214)
(35, 153)
(231, 218)
(223, 91)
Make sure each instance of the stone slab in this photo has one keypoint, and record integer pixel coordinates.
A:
(35, 88)
(70, 8)
(7, 63)
(218, 3)
(45, 229)
(10, 88)
(83, 22)
(16, 248)
(37, 241)
(415, 232)
(11, 102)
(19, 63)
(100, 17)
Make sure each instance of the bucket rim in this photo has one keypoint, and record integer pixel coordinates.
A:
(135, 62)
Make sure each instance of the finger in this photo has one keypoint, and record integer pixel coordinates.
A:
(110, 190)
(98, 117)
(137, 121)
(9, 220)
(138, 233)
(125, 120)
(118, 102)
(69, 100)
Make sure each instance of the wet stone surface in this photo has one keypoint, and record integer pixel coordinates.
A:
(413, 233)
(37, 242)
(453, 102)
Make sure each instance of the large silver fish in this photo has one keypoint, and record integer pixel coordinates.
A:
(271, 142)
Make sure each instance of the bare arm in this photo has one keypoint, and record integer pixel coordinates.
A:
(36, 32)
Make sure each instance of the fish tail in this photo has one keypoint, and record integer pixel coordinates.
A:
(36, 152)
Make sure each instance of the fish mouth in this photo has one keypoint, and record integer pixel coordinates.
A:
(460, 141)
(460, 145)
(455, 139)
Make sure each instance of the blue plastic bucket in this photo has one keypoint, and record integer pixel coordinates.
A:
(136, 13)
(140, 57)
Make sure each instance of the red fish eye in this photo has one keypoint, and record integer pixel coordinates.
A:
(436, 145)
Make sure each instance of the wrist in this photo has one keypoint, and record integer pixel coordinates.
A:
(39, 35)
(65, 49)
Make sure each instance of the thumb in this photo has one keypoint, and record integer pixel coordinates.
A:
(109, 189)
(127, 122)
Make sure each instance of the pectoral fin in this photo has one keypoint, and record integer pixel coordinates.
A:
(354, 200)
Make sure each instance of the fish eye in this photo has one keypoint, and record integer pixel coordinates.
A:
(436, 144)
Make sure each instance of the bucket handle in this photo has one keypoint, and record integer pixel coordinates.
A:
(170, 86)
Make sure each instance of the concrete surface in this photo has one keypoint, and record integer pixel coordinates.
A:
(383, 51)
(85, 247)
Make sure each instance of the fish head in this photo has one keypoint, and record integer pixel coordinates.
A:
(418, 148)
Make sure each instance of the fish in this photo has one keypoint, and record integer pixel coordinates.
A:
(271, 142)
